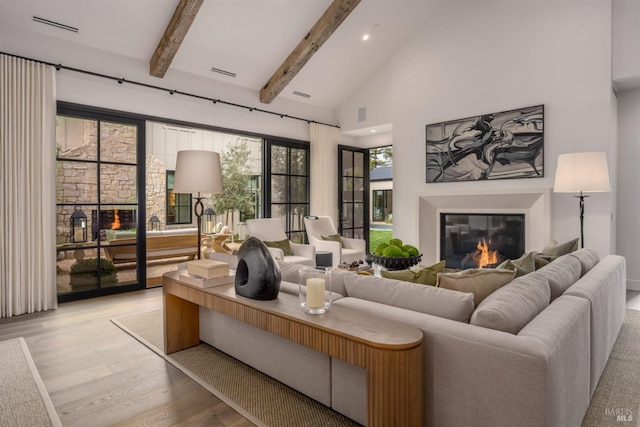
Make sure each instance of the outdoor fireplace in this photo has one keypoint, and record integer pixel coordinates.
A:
(112, 219)
(477, 240)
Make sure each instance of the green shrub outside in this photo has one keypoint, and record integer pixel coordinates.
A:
(90, 266)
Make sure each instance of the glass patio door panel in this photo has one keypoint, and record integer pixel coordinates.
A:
(96, 176)
(287, 170)
(353, 165)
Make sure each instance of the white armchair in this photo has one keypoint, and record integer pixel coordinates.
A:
(345, 251)
(272, 230)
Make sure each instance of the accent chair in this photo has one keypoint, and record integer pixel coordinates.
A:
(323, 235)
(271, 232)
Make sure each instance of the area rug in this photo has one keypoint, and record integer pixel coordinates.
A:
(24, 400)
(265, 401)
(616, 401)
(258, 397)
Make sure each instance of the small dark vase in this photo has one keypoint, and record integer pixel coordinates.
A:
(257, 275)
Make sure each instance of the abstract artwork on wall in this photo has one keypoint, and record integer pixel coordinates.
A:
(501, 145)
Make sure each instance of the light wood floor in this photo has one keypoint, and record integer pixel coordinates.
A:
(97, 375)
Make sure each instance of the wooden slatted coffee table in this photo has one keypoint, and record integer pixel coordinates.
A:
(391, 352)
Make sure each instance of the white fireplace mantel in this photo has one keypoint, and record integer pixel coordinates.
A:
(534, 203)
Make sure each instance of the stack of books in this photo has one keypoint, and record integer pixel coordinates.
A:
(205, 273)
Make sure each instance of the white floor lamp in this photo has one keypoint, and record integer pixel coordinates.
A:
(582, 173)
(198, 172)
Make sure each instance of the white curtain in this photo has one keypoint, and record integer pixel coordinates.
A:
(27, 187)
(324, 170)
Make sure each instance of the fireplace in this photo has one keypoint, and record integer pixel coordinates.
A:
(533, 203)
(477, 240)
(112, 219)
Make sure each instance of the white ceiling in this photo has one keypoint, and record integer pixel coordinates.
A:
(248, 37)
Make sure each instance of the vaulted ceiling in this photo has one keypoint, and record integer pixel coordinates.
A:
(285, 48)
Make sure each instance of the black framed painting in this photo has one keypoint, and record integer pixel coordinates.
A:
(504, 145)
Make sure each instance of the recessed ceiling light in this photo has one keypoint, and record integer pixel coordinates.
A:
(373, 131)
(365, 37)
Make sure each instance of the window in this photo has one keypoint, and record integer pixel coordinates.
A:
(287, 168)
(178, 205)
(256, 192)
(382, 205)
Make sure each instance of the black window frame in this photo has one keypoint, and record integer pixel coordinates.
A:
(176, 207)
(270, 143)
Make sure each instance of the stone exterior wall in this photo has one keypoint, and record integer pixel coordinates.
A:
(156, 191)
(77, 182)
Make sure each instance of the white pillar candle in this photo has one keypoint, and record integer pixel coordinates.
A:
(315, 292)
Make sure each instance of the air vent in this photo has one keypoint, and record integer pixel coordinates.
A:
(54, 24)
(304, 95)
(226, 73)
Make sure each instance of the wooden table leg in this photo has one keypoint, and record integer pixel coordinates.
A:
(395, 391)
(181, 323)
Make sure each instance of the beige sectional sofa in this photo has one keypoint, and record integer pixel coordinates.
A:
(530, 354)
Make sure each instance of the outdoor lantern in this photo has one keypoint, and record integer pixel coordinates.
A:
(78, 226)
(209, 215)
(154, 223)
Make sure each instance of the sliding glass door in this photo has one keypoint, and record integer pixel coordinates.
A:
(98, 170)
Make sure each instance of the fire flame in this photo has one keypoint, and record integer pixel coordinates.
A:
(116, 220)
(484, 256)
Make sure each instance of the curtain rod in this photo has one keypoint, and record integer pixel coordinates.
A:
(122, 80)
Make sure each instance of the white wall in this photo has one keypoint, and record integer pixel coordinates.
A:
(84, 89)
(475, 57)
(628, 176)
(626, 35)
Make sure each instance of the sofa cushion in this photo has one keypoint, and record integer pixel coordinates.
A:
(284, 245)
(512, 307)
(424, 275)
(588, 259)
(558, 249)
(479, 282)
(561, 274)
(290, 273)
(425, 299)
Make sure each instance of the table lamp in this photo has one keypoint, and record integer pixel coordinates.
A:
(585, 172)
(198, 172)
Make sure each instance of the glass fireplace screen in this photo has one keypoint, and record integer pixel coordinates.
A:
(477, 240)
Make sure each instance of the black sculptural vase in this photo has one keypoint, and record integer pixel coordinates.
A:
(257, 275)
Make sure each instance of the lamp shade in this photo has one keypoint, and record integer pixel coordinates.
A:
(198, 172)
(582, 172)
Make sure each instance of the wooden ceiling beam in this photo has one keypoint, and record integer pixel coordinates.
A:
(328, 23)
(173, 36)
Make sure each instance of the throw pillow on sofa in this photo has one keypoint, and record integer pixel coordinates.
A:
(333, 238)
(480, 282)
(424, 275)
(523, 265)
(558, 249)
(285, 245)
